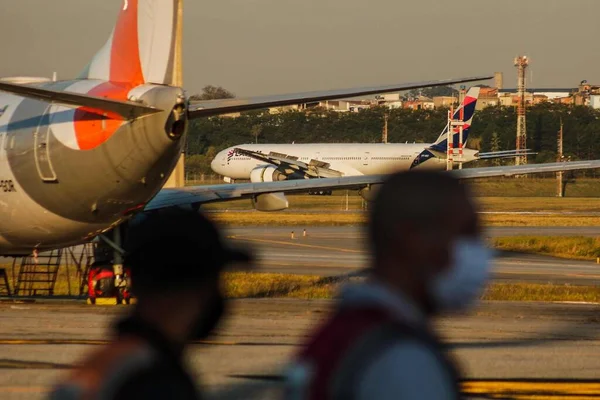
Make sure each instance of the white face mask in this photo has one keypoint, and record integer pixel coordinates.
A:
(462, 284)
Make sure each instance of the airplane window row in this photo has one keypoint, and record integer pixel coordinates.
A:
(392, 158)
(341, 158)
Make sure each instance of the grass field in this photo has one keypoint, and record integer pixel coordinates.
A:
(534, 187)
(531, 186)
(314, 287)
(341, 218)
(267, 285)
(489, 204)
(578, 247)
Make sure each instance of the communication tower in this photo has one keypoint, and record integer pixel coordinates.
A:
(521, 62)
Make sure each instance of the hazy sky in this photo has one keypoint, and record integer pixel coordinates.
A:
(255, 47)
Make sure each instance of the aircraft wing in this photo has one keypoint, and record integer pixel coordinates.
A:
(291, 165)
(210, 108)
(195, 195)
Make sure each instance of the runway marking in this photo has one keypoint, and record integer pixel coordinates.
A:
(23, 389)
(36, 342)
(557, 274)
(532, 389)
(311, 246)
(20, 364)
(494, 389)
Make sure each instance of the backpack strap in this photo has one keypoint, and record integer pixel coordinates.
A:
(371, 345)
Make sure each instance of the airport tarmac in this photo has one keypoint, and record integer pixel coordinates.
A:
(338, 250)
(499, 340)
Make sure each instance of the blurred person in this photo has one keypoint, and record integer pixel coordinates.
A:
(428, 258)
(176, 259)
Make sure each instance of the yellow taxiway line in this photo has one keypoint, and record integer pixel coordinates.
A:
(310, 246)
(492, 389)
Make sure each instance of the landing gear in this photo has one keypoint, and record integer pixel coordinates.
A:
(320, 192)
(108, 277)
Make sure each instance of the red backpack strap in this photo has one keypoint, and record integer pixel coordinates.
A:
(333, 340)
(344, 347)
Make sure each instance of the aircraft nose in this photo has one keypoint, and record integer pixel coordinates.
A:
(215, 164)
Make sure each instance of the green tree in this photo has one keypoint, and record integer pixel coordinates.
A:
(495, 146)
(211, 92)
(256, 131)
(434, 91)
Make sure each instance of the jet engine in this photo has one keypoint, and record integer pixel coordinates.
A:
(270, 202)
(268, 173)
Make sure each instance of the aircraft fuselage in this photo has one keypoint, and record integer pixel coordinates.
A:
(67, 174)
(351, 159)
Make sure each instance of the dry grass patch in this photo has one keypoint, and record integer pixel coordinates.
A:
(261, 285)
(539, 220)
(541, 292)
(537, 204)
(267, 285)
(573, 247)
(286, 218)
(290, 218)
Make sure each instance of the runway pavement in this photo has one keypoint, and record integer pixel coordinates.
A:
(39, 343)
(338, 250)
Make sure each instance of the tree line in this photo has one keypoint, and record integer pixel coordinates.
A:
(493, 130)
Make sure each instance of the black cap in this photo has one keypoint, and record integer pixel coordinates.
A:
(174, 248)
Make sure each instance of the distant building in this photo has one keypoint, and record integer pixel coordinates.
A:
(549, 93)
(419, 103)
(390, 100)
(445, 101)
(488, 97)
(568, 100)
(540, 98)
(595, 101)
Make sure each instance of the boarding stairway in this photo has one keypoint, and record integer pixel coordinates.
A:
(4, 285)
(37, 274)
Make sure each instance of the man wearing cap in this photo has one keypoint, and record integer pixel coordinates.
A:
(428, 258)
(176, 259)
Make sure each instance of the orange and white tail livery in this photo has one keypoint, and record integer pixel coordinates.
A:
(142, 47)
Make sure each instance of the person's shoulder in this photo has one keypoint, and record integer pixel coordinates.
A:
(408, 369)
(107, 368)
(157, 381)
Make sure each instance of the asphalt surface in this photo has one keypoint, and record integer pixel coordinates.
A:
(339, 250)
(39, 343)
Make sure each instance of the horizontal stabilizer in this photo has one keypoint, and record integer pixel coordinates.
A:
(210, 108)
(126, 109)
(505, 154)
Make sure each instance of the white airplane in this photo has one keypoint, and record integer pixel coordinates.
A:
(277, 162)
(79, 158)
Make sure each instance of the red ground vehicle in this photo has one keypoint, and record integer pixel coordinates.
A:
(101, 284)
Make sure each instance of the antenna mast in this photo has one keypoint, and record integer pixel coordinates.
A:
(521, 62)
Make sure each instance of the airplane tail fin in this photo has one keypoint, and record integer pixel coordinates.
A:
(144, 47)
(468, 105)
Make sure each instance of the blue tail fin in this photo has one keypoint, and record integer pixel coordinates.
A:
(469, 104)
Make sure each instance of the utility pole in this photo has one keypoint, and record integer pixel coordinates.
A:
(521, 63)
(560, 158)
(450, 141)
(384, 138)
(461, 98)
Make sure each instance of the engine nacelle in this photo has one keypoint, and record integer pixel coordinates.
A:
(270, 202)
(266, 174)
(368, 193)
